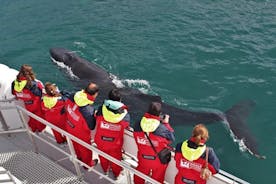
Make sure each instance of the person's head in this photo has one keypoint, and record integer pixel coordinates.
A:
(114, 95)
(155, 108)
(92, 89)
(26, 71)
(200, 134)
(51, 89)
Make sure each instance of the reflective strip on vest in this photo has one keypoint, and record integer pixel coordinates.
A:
(19, 86)
(81, 99)
(112, 117)
(73, 112)
(149, 124)
(190, 153)
(50, 102)
(22, 95)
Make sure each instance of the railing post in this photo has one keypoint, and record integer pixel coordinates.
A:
(73, 155)
(25, 125)
(3, 122)
(127, 173)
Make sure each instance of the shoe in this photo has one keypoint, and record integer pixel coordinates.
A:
(92, 164)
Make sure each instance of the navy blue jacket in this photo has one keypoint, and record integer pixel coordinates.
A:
(87, 113)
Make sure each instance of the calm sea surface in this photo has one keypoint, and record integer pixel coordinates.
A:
(195, 54)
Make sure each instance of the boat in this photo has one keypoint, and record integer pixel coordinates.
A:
(29, 157)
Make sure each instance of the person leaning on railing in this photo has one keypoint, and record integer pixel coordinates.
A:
(80, 120)
(152, 134)
(29, 90)
(111, 120)
(53, 109)
(194, 161)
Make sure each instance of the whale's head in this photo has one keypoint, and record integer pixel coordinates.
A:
(62, 55)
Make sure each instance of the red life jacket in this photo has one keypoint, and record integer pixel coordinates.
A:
(52, 113)
(76, 124)
(109, 135)
(31, 101)
(189, 171)
(146, 154)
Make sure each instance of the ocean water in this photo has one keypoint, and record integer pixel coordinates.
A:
(194, 54)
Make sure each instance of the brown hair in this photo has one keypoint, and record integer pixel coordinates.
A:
(155, 108)
(200, 133)
(26, 71)
(51, 89)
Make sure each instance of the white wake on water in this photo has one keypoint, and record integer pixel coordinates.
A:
(66, 68)
(140, 84)
(241, 142)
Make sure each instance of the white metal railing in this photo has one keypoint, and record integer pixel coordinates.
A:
(72, 156)
(221, 177)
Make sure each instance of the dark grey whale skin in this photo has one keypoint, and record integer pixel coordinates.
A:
(138, 102)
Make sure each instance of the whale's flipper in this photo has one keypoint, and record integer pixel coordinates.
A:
(236, 118)
(138, 102)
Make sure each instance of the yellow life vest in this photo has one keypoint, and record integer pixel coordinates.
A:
(190, 153)
(81, 99)
(50, 102)
(149, 124)
(19, 85)
(111, 116)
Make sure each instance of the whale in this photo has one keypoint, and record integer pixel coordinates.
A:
(235, 118)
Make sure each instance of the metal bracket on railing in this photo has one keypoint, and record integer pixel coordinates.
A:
(74, 157)
(25, 125)
(3, 122)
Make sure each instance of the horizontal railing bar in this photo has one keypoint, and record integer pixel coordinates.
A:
(13, 131)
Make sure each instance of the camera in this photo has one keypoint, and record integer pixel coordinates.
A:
(162, 116)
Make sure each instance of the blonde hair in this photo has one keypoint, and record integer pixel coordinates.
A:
(200, 132)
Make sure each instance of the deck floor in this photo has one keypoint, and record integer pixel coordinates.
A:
(21, 142)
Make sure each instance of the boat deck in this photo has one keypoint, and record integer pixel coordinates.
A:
(49, 166)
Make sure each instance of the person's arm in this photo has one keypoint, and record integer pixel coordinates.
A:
(36, 88)
(213, 159)
(165, 122)
(66, 94)
(126, 121)
(88, 114)
(178, 147)
(163, 131)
